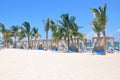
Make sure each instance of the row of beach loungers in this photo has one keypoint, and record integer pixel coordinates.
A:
(82, 50)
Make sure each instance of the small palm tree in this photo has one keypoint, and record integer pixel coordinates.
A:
(35, 33)
(15, 33)
(21, 35)
(7, 38)
(27, 30)
(3, 31)
(57, 35)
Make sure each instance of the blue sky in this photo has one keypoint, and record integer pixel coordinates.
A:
(15, 12)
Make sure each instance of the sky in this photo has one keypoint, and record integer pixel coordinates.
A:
(15, 12)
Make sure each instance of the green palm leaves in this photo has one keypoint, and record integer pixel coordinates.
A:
(27, 30)
(68, 28)
(96, 26)
(6, 35)
(99, 22)
(15, 33)
(35, 33)
(49, 24)
(101, 18)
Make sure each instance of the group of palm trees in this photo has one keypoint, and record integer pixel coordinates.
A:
(65, 29)
(18, 33)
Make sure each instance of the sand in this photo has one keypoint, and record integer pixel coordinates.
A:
(18, 64)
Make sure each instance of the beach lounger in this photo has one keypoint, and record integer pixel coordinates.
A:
(54, 49)
(111, 50)
(40, 48)
(99, 52)
(73, 50)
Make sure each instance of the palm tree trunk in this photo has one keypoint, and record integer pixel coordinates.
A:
(15, 42)
(78, 45)
(99, 39)
(7, 45)
(35, 43)
(4, 42)
(28, 42)
(105, 42)
(46, 40)
(31, 43)
(68, 43)
(104, 33)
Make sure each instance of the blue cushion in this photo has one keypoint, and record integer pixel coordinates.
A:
(54, 49)
(73, 49)
(40, 48)
(101, 52)
(88, 49)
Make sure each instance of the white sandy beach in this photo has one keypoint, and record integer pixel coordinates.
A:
(47, 65)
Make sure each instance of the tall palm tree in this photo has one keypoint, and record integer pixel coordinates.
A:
(15, 33)
(35, 33)
(65, 27)
(27, 30)
(100, 14)
(69, 28)
(47, 25)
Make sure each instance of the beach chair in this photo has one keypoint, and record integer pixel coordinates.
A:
(40, 48)
(73, 49)
(54, 48)
(111, 50)
(99, 50)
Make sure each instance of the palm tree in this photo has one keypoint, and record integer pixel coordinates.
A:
(27, 30)
(2, 29)
(15, 33)
(96, 28)
(65, 27)
(100, 14)
(53, 26)
(35, 33)
(78, 34)
(69, 28)
(21, 35)
(47, 25)
(7, 37)
(57, 35)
